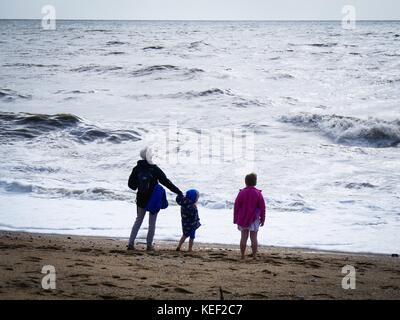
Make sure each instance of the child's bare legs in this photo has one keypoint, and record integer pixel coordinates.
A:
(254, 243)
(191, 241)
(243, 242)
(183, 238)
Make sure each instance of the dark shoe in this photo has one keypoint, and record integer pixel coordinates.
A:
(150, 248)
(178, 249)
(131, 248)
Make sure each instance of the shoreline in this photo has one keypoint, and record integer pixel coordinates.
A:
(213, 244)
(90, 267)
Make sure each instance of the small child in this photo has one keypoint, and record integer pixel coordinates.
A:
(249, 214)
(190, 217)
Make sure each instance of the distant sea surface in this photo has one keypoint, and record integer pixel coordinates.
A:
(322, 104)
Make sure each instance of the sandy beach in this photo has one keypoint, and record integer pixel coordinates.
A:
(101, 268)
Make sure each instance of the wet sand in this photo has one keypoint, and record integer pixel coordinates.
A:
(101, 268)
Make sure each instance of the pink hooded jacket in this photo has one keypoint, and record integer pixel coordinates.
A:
(248, 202)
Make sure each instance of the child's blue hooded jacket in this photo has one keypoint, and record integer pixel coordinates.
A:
(189, 212)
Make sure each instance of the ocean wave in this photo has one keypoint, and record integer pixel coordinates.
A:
(11, 95)
(31, 65)
(14, 126)
(96, 193)
(115, 43)
(200, 94)
(350, 130)
(282, 76)
(198, 45)
(35, 169)
(114, 53)
(97, 30)
(356, 185)
(317, 45)
(213, 94)
(216, 204)
(209, 92)
(323, 45)
(153, 48)
(75, 92)
(295, 205)
(96, 68)
(155, 69)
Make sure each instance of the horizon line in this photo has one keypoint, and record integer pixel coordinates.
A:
(209, 20)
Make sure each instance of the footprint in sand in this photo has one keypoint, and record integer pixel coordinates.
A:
(218, 255)
(33, 259)
(91, 284)
(108, 284)
(256, 296)
(78, 275)
(79, 264)
(182, 290)
(313, 264)
(49, 248)
(273, 262)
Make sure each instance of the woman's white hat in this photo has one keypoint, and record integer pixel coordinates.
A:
(147, 154)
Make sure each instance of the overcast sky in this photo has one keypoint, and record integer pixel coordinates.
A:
(202, 9)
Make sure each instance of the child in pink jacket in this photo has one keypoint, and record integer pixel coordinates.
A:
(249, 213)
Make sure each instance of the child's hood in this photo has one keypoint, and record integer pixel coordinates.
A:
(192, 195)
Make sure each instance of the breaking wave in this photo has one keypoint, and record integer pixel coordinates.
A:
(350, 130)
(115, 43)
(97, 193)
(96, 68)
(115, 53)
(356, 185)
(16, 126)
(198, 45)
(11, 95)
(31, 65)
(153, 48)
(164, 68)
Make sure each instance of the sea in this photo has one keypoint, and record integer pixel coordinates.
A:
(312, 108)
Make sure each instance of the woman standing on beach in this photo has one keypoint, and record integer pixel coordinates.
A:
(144, 177)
